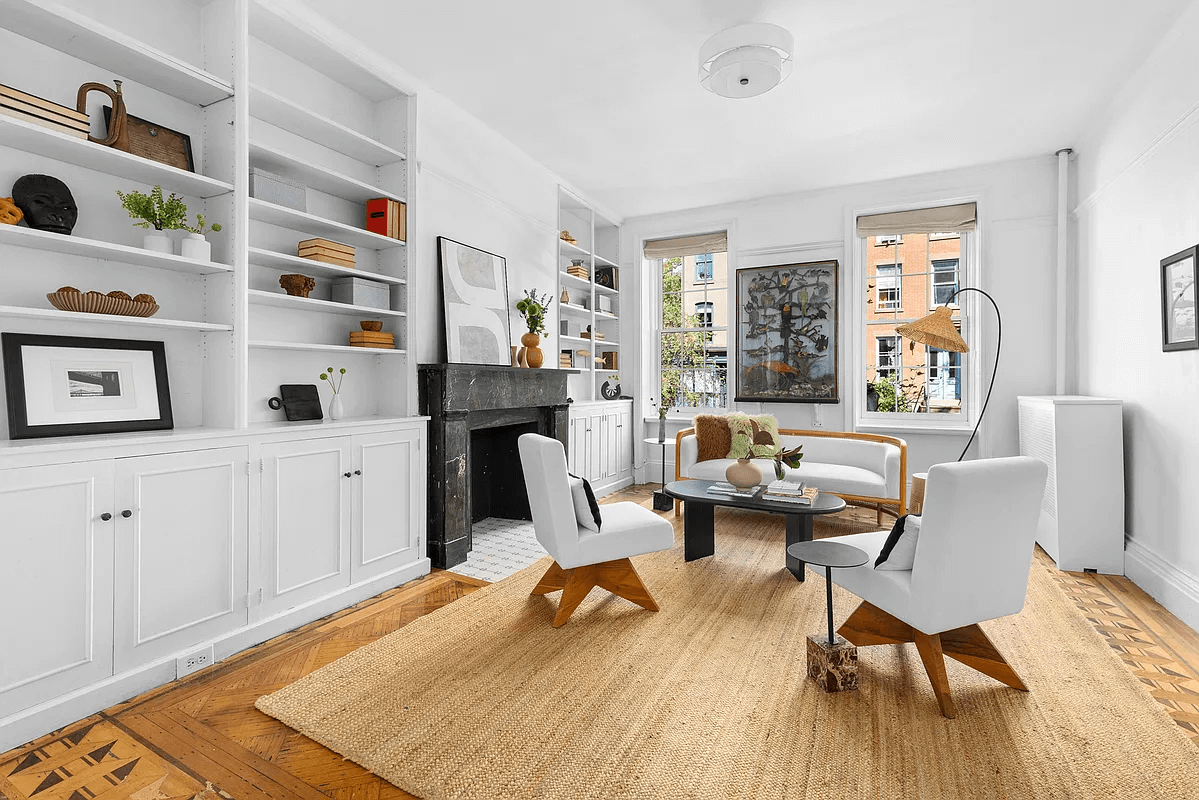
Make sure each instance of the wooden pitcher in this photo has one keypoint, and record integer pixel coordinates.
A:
(118, 131)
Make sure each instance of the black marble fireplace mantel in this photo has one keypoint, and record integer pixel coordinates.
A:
(462, 400)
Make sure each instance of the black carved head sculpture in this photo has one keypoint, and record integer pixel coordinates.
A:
(46, 202)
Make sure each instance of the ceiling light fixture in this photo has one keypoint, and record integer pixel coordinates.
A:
(747, 60)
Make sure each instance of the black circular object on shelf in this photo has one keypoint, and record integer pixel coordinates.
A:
(610, 391)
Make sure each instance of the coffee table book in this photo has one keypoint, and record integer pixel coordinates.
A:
(729, 490)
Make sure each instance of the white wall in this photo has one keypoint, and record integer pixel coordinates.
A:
(1017, 234)
(1139, 202)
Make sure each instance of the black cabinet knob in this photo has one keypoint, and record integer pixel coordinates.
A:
(126, 513)
(357, 472)
(106, 516)
(347, 474)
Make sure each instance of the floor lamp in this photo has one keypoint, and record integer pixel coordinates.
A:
(937, 330)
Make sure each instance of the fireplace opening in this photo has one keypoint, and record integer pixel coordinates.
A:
(497, 481)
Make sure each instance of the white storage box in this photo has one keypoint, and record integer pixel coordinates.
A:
(603, 303)
(278, 190)
(361, 292)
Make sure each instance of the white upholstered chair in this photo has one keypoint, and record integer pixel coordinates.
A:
(973, 554)
(584, 559)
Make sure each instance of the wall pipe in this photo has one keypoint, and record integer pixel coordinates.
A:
(1062, 277)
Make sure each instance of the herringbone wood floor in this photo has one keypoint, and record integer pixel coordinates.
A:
(170, 742)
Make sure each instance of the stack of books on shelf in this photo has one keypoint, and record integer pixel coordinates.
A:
(791, 491)
(46, 113)
(729, 490)
(579, 271)
(380, 340)
(387, 217)
(566, 360)
(324, 250)
(598, 336)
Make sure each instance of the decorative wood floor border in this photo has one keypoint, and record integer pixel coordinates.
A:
(169, 743)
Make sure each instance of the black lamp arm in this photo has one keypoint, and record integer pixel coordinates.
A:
(995, 370)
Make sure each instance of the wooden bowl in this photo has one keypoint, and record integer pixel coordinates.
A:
(371, 325)
(96, 303)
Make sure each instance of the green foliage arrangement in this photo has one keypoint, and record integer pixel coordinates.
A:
(168, 214)
(334, 381)
(200, 226)
(533, 308)
(891, 396)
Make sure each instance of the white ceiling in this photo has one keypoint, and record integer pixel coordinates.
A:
(604, 92)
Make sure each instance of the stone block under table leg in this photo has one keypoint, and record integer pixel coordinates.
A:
(834, 667)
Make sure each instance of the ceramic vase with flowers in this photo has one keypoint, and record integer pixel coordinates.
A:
(744, 473)
(533, 308)
(661, 409)
(157, 215)
(335, 380)
(194, 245)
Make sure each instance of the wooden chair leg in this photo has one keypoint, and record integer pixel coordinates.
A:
(869, 625)
(581, 581)
(971, 646)
(934, 664)
(620, 578)
(555, 578)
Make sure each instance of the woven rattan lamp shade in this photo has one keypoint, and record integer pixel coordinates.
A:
(936, 330)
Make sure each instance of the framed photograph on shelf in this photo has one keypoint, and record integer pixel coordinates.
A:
(474, 290)
(75, 386)
(787, 333)
(1178, 301)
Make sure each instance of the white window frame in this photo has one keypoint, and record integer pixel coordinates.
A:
(896, 355)
(708, 312)
(898, 288)
(976, 328)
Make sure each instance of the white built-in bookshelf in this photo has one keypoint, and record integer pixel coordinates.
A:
(597, 245)
(251, 89)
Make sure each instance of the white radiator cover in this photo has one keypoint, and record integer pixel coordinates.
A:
(1081, 439)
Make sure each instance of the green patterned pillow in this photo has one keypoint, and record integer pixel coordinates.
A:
(743, 436)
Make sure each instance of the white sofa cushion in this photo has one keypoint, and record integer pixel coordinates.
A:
(629, 530)
(836, 478)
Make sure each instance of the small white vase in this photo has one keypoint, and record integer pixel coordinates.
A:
(335, 409)
(196, 247)
(159, 242)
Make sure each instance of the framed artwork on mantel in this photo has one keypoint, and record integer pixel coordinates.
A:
(74, 385)
(787, 333)
(1178, 301)
(474, 290)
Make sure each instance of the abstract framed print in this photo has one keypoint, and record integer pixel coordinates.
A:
(474, 290)
(75, 386)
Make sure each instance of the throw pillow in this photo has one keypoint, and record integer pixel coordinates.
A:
(713, 436)
(899, 552)
(587, 511)
(742, 428)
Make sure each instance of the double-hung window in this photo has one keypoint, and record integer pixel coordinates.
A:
(691, 274)
(889, 286)
(945, 280)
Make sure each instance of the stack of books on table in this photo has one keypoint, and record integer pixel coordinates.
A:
(791, 491)
(729, 490)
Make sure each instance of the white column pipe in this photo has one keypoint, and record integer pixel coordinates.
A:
(1062, 278)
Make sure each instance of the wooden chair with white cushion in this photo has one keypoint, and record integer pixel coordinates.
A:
(971, 564)
(583, 558)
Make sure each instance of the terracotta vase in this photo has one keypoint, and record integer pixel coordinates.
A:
(533, 355)
(744, 474)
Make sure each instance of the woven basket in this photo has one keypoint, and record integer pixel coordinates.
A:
(96, 303)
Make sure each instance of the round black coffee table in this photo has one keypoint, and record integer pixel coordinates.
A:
(830, 555)
(699, 535)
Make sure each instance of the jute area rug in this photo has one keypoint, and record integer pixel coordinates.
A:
(709, 698)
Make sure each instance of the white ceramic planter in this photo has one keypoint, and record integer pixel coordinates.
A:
(159, 242)
(196, 247)
(335, 409)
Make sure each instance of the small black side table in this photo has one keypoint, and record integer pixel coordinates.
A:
(832, 663)
(661, 501)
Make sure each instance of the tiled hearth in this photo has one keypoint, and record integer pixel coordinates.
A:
(501, 547)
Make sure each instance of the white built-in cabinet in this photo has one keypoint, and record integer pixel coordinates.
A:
(601, 445)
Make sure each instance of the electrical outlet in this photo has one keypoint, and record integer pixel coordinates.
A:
(817, 416)
(192, 662)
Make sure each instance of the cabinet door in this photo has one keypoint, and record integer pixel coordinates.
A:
(624, 444)
(305, 533)
(595, 446)
(389, 502)
(55, 581)
(578, 446)
(613, 433)
(181, 541)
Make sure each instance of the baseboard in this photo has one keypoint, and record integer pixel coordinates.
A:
(51, 715)
(608, 488)
(1175, 589)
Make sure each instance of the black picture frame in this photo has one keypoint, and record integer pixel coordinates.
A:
(455, 310)
(13, 344)
(1178, 301)
(811, 291)
(153, 129)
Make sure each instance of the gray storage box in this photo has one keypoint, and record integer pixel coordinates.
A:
(361, 292)
(278, 190)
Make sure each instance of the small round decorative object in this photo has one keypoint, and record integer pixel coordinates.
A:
(372, 325)
(144, 298)
(10, 214)
(744, 474)
(119, 295)
(610, 391)
(67, 290)
(297, 285)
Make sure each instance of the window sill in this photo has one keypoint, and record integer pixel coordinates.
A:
(880, 426)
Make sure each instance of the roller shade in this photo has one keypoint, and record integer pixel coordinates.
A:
(888, 277)
(942, 219)
(687, 246)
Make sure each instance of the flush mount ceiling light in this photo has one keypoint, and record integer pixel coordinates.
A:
(747, 60)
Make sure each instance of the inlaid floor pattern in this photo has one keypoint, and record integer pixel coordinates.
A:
(204, 731)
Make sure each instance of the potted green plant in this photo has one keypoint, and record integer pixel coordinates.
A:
(533, 308)
(194, 245)
(156, 214)
(335, 381)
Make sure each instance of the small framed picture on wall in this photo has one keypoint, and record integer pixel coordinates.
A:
(74, 386)
(1178, 301)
